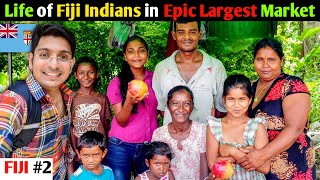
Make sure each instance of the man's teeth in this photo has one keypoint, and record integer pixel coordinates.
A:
(52, 74)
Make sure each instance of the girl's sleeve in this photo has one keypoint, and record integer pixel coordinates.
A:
(113, 91)
(107, 115)
(251, 129)
(215, 127)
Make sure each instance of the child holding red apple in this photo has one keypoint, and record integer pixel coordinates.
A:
(135, 112)
(226, 136)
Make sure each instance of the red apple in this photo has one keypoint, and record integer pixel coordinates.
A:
(137, 88)
(222, 169)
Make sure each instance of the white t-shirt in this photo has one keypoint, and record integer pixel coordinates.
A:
(206, 85)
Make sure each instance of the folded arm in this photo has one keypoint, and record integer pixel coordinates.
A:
(295, 117)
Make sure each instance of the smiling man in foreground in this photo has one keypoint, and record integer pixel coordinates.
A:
(50, 63)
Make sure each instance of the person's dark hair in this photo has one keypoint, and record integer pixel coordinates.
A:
(158, 148)
(133, 38)
(176, 89)
(87, 60)
(237, 81)
(269, 42)
(52, 30)
(90, 139)
(185, 22)
(126, 74)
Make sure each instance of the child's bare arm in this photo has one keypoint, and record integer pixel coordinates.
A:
(137, 178)
(229, 158)
(123, 112)
(204, 170)
(262, 140)
(212, 148)
(171, 176)
(107, 115)
(226, 150)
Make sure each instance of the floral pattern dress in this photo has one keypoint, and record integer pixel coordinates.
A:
(297, 162)
(185, 163)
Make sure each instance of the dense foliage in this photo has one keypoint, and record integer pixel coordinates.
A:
(236, 54)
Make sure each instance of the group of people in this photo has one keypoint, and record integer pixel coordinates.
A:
(260, 128)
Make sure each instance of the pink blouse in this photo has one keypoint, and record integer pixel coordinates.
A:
(142, 123)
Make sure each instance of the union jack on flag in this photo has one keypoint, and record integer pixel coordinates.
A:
(8, 30)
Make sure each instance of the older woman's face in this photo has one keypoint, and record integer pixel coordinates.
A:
(180, 106)
(268, 64)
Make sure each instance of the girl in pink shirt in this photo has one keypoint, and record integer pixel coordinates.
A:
(135, 118)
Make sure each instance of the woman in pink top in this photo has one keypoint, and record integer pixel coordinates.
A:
(135, 118)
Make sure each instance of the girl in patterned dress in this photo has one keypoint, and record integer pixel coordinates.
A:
(158, 159)
(226, 136)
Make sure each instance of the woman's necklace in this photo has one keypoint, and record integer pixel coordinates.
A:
(181, 135)
(257, 98)
(186, 131)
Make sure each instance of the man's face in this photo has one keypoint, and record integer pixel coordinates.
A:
(187, 36)
(51, 62)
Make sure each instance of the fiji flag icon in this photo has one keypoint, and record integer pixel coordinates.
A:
(16, 37)
(27, 37)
